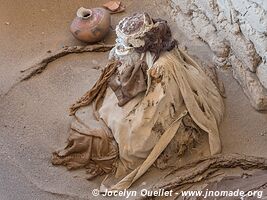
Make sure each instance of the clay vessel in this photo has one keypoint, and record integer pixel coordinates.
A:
(90, 25)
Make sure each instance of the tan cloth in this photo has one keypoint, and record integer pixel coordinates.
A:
(90, 145)
(179, 87)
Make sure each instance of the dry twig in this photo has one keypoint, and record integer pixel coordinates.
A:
(203, 168)
(41, 66)
(213, 162)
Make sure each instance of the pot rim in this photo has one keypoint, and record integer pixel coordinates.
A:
(84, 13)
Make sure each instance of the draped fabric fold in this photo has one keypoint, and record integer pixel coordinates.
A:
(147, 107)
(183, 85)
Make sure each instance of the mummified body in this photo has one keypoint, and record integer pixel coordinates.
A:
(151, 102)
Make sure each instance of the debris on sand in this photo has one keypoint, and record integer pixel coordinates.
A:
(114, 6)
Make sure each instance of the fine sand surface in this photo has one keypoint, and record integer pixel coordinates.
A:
(34, 117)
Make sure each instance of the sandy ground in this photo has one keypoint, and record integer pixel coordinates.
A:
(34, 117)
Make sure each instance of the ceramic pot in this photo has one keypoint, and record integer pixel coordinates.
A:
(90, 25)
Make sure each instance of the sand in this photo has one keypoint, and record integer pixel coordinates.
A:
(34, 117)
